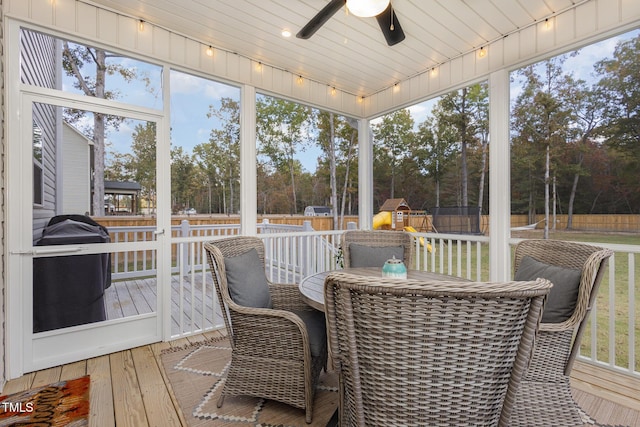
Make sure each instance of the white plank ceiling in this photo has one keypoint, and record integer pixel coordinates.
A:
(348, 52)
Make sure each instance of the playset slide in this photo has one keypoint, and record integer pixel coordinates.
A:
(385, 217)
(381, 218)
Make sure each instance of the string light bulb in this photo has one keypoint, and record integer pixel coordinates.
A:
(141, 25)
(300, 80)
(209, 51)
(482, 53)
(333, 90)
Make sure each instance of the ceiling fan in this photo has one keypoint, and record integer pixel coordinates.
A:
(381, 9)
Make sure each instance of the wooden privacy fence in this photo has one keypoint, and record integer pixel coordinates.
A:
(422, 223)
(592, 222)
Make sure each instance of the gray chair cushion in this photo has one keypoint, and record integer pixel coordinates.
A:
(247, 281)
(373, 256)
(316, 329)
(561, 301)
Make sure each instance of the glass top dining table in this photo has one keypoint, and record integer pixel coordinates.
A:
(312, 287)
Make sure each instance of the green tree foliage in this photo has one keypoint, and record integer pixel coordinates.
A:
(284, 129)
(465, 114)
(183, 170)
(143, 163)
(393, 137)
(541, 121)
(620, 87)
(587, 105)
(434, 152)
(338, 139)
(219, 158)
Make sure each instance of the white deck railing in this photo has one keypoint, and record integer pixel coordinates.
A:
(611, 341)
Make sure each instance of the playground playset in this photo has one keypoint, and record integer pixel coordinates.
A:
(394, 215)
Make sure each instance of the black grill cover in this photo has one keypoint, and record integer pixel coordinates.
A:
(69, 290)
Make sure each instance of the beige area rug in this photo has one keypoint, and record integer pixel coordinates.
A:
(197, 373)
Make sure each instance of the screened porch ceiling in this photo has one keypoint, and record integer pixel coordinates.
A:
(347, 52)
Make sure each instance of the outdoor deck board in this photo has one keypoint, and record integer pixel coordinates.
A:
(101, 393)
(130, 388)
(138, 290)
(139, 296)
(157, 399)
(127, 395)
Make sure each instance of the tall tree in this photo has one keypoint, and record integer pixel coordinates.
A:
(284, 128)
(435, 147)
(143, 148)
(620, 87)
(466, 111)
(392, 138)
(350, 137)
(74, 59)
(327, 127)
(338, 140)
(587, 105)
(182, 173)
(541, 114)
(219, 158)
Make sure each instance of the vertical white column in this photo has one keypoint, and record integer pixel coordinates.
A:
(365, 175)
(499, 177)
(248, 162)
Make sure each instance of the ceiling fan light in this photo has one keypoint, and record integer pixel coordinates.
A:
(367, 8)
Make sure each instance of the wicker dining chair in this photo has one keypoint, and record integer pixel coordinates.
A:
(279, 346)
(421, 353)
(364, 248)
(544, 396)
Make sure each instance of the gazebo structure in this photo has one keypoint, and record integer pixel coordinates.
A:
(346, 67)
(125, 196)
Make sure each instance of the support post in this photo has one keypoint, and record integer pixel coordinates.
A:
(365, 175)
(499, 178)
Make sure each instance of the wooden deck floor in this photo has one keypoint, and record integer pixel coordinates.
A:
(129, 388)
(192, 306)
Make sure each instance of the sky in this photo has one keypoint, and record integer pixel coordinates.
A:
(191, 97)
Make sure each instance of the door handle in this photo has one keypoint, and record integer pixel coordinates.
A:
(48, 251)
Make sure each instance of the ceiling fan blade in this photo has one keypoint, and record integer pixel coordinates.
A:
(321, 17)
(392, 33)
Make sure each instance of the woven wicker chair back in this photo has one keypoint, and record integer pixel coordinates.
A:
(559, 352)
(430, 353)
(271, 354)
(378, 238)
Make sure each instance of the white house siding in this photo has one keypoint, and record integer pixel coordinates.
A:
(76, 195)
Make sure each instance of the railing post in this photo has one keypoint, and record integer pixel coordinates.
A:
(267, 252)
(184, 232)
(306, 246)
